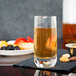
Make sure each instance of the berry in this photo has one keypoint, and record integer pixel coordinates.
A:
(3, 48)
(16, 48)
(10, 47)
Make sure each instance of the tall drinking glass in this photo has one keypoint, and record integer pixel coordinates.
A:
(45, 41)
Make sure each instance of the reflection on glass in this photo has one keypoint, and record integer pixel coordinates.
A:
(44, 73)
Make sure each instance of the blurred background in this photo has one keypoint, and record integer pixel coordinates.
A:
(17, 16)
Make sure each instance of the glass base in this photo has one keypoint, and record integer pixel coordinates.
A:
(45, 63)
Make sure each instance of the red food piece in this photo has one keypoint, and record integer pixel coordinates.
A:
(29, 39)
(19, 40)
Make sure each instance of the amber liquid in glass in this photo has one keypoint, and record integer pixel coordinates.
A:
(45, 41)
(69, 32)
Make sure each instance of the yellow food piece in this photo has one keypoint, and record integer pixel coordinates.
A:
(66, 55)
(64, 59)
(3, 43)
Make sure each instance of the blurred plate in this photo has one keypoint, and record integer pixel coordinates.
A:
(15, 52)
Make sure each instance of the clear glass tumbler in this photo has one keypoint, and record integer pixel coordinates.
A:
(45, 41)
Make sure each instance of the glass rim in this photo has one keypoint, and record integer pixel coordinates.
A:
(45, 16)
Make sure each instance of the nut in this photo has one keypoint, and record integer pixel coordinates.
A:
(72, 58)
(66, 55)
(64, 59)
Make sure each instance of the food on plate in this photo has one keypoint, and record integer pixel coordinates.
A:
(29, 39)
(10, 47)
(72, 46)
(64, 59)
(20, 40)
(3, 43)
(19, 44)
(25, 46)
(17, 48)
(5, 46)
